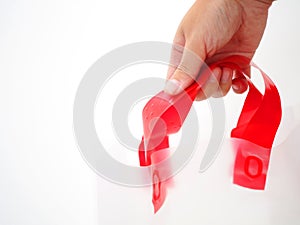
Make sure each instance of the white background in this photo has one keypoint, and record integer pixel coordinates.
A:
(45, 49)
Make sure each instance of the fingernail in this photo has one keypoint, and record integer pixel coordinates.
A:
(172, 87)
(226, 76)
(235, 87)
(214, 77)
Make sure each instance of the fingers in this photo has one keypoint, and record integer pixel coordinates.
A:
(185, 63)
(217, 87)
(225, 83)
(240, 83)
(227, 79)
(211, 85)
(185, 66)
(218, 84)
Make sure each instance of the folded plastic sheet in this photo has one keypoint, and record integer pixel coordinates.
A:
(254, 134)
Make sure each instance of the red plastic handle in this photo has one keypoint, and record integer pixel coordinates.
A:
(255, 131)
(164, 114)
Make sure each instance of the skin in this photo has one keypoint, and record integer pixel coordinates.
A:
(212, 30)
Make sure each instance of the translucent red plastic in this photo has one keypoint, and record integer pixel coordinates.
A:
(256, 128)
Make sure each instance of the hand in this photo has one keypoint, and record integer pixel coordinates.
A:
(210, 31)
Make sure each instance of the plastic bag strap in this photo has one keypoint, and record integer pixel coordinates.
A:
(256, 127)
(255, 133)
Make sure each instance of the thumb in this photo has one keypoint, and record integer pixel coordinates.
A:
(187, 70)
